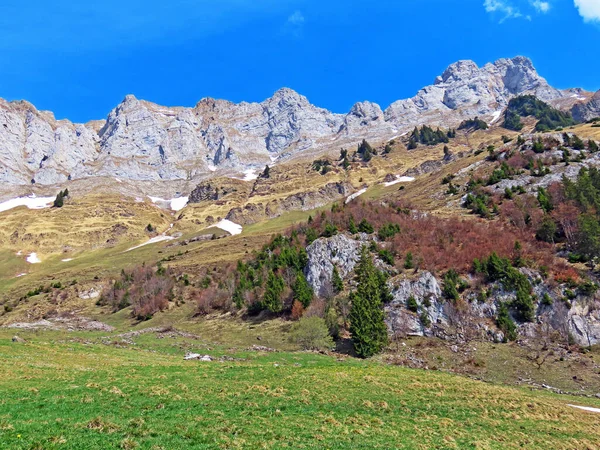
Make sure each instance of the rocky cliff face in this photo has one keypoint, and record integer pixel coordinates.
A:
(439, 317)
(140, 140)
(587, 110)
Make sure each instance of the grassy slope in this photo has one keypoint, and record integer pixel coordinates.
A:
(79, 393)
(49, 232)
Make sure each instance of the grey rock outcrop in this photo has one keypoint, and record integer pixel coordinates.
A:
(427, 293)
(208, 192)
(587, 110)
(339, 250)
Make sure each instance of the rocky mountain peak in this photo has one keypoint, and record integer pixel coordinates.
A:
(143, 141)
(286, 97)
(458, 71)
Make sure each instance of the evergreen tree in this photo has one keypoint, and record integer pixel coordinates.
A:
(352, 226)
(592, 146)
(524, 305)
(302, 290)
(365, 227)
(336, 280)
(59, 200)
(544, 200)
(346, 163)
(577, 143)
(506, 324)
(266, 173)
(365, 151)
(273, 290)
(408, 261)
(547, 230)
(369, 332)
(588, 242)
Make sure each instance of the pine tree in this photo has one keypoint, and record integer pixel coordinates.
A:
(506, 324)
(266, 173)
(365, 151)
(302, 290)
(336, 281)
(346, 163)
(352, 226)
(369, 332)
(365, 227)
(59, 200)
(274, 289)
(408, 261)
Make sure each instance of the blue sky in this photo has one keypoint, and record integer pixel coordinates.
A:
(79, 59)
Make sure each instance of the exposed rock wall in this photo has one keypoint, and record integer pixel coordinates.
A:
(140, 140)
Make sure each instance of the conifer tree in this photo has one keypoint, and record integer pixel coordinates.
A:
(352, 226)
(408, 261)
(59, 200)
(302, 290)
(274, 289)
(336, 281)
(266, 173)
(369, 332)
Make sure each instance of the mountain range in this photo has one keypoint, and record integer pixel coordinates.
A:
(143, 141)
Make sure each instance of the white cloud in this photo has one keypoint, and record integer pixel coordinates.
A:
(542, 7)
(295, 24)
(502, 7)
(589, 9)
(296, 19)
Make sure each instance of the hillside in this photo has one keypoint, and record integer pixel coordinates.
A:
(129, 391)
(460, 228)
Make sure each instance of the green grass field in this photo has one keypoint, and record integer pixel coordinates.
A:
(86, 391)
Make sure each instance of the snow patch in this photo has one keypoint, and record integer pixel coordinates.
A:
(33, 259)
(32, 202)
(176, 204)
(274, 158)
(21, 275)
(495, 117)
(586, 408)
(250, 175)
(399, 180)
(67, 260)
(355, 195)
(212, 168)
(229, 226)
(153, 240)
(117, 180)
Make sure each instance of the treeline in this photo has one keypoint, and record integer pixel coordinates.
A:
(572, 215)
(473, 124)
(548, 117)
(428, 136)
(364, 153)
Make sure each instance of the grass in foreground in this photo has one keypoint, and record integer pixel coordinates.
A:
(74, 392)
